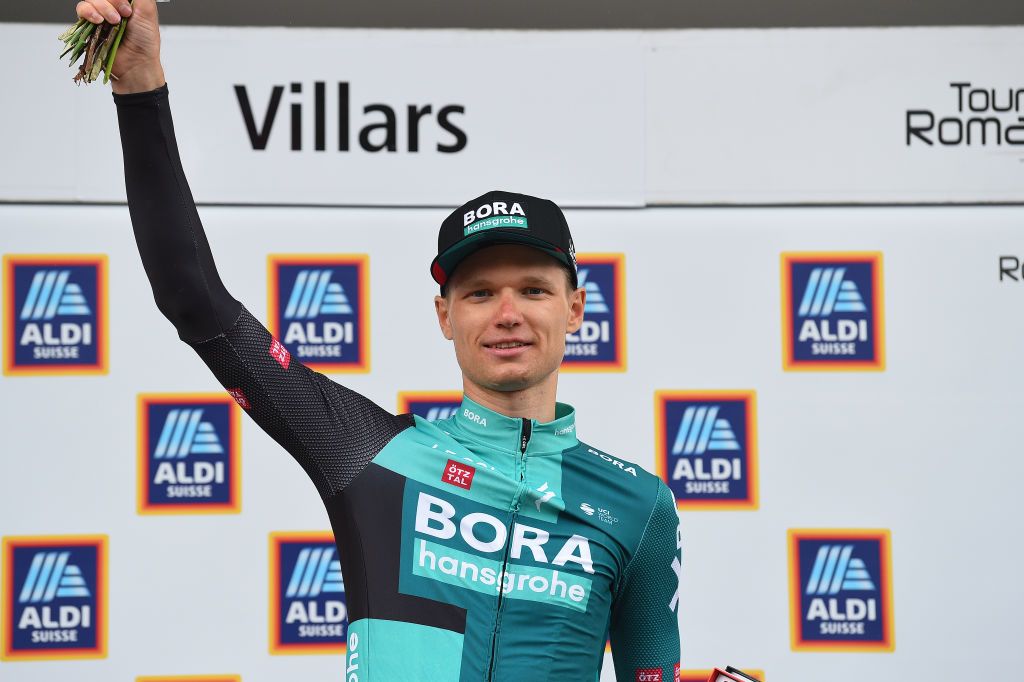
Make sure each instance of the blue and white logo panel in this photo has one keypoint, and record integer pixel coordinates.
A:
(189, 459)
(55, 319)
(310, 614)
(841, 590)
(707, 448)
(833, 311)
(319, 310)
(54, 598)
(599, 344)
(430, 405)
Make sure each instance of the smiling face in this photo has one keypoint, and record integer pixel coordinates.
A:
(508, 308)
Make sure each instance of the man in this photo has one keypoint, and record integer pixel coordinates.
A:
(470, 547)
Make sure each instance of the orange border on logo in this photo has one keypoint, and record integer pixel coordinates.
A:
(191, 678)
(789, 364)
(143, 506)
(276, 647)
(618, 260)
(406, 397)
(101, 542)
(884, 538)
(661, 446)
(362, 261)
(705, 675)
(102, 314)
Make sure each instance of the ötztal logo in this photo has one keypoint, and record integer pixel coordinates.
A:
(832, 311)
(319, 311)
(706, 448)
(600, 344)
(308, 610)
(430, 405)
(55, 314)
(841, 590)
(54, 598)
(188, 455)
(974, 116)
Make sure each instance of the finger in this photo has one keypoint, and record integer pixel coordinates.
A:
(107, 10)
(87, 11)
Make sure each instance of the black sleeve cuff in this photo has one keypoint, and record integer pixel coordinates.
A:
(140, 98)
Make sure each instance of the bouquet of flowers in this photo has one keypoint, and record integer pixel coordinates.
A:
(98, 42)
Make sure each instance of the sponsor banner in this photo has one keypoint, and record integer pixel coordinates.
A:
(55, 314)
(600, 344)
(361, 117)
(308, 608)
(54, 598)
(705, 675)
(189, 454)
(430, 405)
(319, 310)
(832, 311)
(840, 585)
(839, 115)
(190, 678)
(706, 448)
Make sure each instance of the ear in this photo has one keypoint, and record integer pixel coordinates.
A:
(577, 302)
(443, 318)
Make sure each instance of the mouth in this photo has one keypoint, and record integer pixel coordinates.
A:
(507, 348)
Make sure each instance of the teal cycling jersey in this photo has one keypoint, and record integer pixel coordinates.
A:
(478, 548)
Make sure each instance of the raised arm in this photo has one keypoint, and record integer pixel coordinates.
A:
(644, 625)
(331, 431)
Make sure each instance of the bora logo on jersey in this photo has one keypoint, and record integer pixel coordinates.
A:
(308, 611)
(832, 311)
(600, 344)
(55, 314)
(840, 590)
(707, 448)
(189, 460)
(430, 405)
(319, 309)
(54, 598)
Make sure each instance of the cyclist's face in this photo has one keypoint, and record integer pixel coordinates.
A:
(508, 310)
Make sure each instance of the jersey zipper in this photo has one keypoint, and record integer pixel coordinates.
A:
(524, 440)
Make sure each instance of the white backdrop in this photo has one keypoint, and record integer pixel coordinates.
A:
(925, 448)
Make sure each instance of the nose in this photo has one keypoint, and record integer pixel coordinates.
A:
(508, 314)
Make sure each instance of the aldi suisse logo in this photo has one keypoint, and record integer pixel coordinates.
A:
(841, 590)
(55, 314)
(832, 311)
(707, 448)
(308, 612)
(430, 405)
(54, 598)
(188, 453)
(319, 309)
(600, 344)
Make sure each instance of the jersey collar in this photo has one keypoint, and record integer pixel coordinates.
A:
(502, 432)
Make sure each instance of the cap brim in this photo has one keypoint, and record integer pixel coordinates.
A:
(443, 266)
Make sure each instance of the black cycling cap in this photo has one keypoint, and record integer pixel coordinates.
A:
(503, 218)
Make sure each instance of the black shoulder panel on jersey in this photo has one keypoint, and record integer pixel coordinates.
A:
(332, 431)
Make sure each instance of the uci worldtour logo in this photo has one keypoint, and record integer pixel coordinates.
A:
(430, 405)
(308, 611)
(54, 598)
(600, 344)
(841, 590)
(55, 314)
(319, 309)
(832, 311)
(707, 448)
(189, 459)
